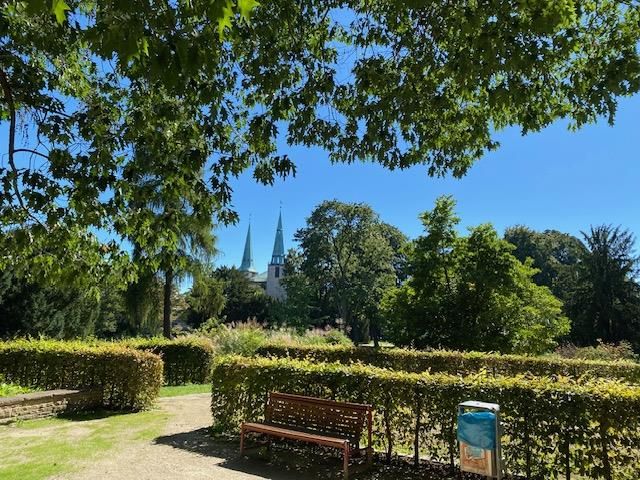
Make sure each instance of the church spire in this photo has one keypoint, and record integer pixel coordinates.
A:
(277, 257)
(247, 258)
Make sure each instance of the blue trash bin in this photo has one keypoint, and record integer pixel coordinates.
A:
(477, 429)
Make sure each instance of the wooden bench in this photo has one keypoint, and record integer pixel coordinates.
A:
(314, 420)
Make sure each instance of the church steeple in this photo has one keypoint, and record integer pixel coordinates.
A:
(277, 257)
(247, 257)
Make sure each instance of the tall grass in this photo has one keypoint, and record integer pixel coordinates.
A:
(247, 338)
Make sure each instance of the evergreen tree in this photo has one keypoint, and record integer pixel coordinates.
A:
(606, 302)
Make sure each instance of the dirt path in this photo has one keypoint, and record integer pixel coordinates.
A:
(184, 451)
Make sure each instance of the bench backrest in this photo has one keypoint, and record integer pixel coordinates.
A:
(311, 414)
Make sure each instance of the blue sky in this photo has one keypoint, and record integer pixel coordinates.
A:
(554, 179)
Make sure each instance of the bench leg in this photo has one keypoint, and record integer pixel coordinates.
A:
(346, 461)
(242, 440)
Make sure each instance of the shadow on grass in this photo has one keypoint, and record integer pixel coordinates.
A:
(293, 462)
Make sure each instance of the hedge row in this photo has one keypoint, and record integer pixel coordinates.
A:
(186, 360)
(128, 379)
(460, 363)
(552, 428)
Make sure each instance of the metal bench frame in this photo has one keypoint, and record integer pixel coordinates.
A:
(315, 420)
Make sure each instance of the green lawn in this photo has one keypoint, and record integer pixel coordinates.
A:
(38, 449)
(185, 390)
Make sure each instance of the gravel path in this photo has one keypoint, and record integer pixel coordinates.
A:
(184, 451)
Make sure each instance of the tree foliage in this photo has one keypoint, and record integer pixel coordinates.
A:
(470, 293)
(205, 88)
(554, 254)
(606, 302)
(29, 308)
(349, 258)
(244, 300)
(205, 299)
(596, 278)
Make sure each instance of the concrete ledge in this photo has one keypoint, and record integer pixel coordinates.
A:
(28, 406)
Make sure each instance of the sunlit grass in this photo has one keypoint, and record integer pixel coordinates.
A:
(175, 391)
(38, 449)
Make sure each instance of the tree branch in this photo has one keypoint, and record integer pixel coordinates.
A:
(8, 96)
(28, 150)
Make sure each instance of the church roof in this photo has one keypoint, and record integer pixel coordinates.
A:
(277, 257)
(247, 258)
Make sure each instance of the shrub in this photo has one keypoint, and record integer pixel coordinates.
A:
(9, 389)
(126, 378)
(602, 351)
(551, 426)
(186, 359)
(458, 362)
(243, 339)
(247, 338)
(316, 336)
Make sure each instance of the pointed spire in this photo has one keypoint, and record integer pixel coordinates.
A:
(247, 258)
(277, 258)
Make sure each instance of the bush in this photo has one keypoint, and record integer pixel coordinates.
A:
(551, 426)
(458, 362)
(243, 339)
(127, 379)
(9, 389)
(316, 336)
(186, 360)
(603, 351)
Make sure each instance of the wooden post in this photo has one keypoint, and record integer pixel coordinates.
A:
(416, 438)
(369, 437)
(346, 461)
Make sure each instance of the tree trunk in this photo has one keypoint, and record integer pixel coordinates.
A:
(375, 331)
(166, 314)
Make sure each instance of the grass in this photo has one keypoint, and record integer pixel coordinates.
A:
(185, 390)
(38, 449)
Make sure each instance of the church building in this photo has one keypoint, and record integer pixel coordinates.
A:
(269, 280)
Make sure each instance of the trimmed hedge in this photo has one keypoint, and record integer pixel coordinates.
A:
(551, 427)
(459, 363)
(186, 360)
(128, 379)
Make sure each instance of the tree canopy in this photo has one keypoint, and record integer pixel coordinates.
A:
(606, 302)
(93, 90)
(470, 293)
(349, 259)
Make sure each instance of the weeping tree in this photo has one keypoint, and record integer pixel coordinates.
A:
(86, 84)
(178, 239)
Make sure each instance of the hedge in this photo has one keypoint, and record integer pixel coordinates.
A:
(461, 363)
(128, 379)
(186, 360)
(552, 428)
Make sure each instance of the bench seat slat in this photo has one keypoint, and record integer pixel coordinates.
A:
(295, 435)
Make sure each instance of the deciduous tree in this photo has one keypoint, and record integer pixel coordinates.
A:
(470, 292)
(348, 258)
(388, 81)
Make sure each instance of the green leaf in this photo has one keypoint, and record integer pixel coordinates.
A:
(246, 7)
(224, 20)
(58, 8)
